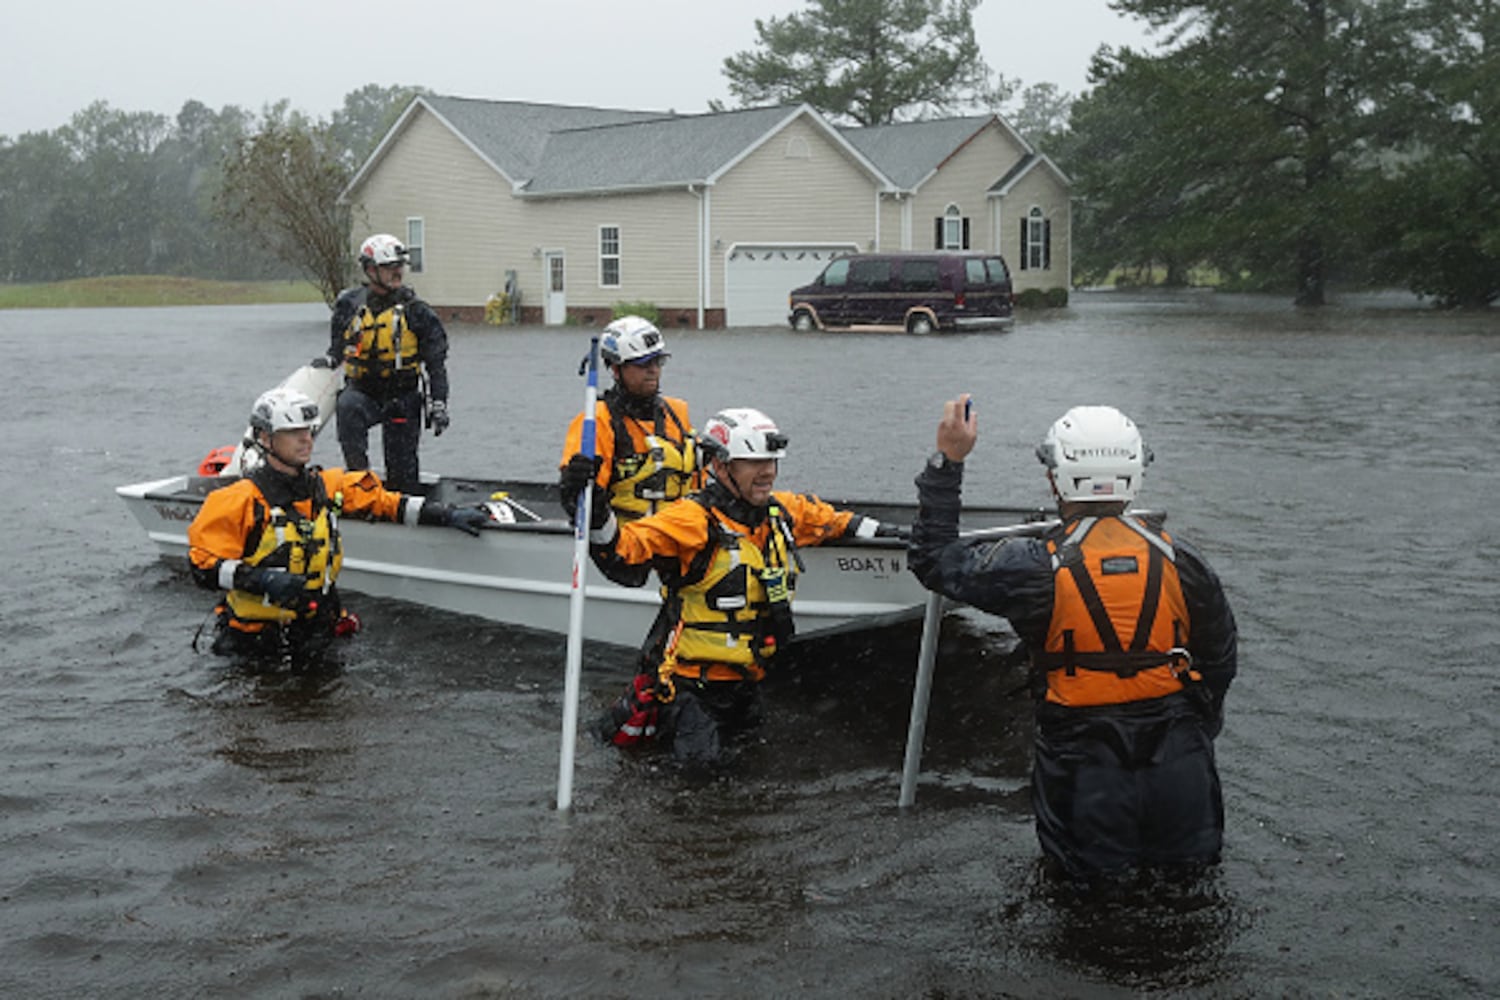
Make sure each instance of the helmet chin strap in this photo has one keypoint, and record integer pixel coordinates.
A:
(380, 286)
(269, 453)
(726, 480)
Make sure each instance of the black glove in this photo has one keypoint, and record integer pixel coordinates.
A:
(437, 413)
(468, 519)
(279, 585)
(888, 530)
(323, 361)
(575, 478)
(598, 507)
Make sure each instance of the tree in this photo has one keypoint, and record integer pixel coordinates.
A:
(367, 115)
(1041, 116)
(1440, 231)
(872, 62)
(42, 235)
(1264, 118)
(282, 187)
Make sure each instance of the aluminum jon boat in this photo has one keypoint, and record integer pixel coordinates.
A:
(519, 570)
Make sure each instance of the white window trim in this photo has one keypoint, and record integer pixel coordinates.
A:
(1036, 238)
(617, 256)
(421, 247)
(953, 227)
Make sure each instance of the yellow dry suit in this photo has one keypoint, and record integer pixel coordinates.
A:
(733, 606)
(1119, 627)
(307, 547)
(380, 348)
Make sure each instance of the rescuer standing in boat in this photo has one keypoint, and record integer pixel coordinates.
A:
(1132, 641)
(271, 540)
(394, 351)
(727, 559)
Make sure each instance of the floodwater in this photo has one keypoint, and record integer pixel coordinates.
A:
(172, 829)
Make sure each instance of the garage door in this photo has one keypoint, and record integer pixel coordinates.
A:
(757, 278)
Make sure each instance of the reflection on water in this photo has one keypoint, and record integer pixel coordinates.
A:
(293, 725)
(1152, 931)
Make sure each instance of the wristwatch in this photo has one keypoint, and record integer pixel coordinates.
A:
(937, 460)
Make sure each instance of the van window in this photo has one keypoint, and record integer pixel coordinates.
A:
(869, 273)
(974, 272)
(919, 276)
(837, 273)
(998, 274)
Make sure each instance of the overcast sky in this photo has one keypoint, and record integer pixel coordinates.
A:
(154, 55)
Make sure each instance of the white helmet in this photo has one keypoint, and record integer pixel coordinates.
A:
(742, 433)
(1095, 454)
(283, 409)
(382, 248)
(631, 338)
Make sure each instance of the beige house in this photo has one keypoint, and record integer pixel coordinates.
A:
(712, 218)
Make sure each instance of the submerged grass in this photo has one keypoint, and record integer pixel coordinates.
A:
(153, 290)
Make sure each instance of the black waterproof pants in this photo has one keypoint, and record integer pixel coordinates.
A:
(399, 417)
(1125, 786)
(703, 719)
(301, 647)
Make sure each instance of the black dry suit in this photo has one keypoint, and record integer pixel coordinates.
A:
(1118, 785)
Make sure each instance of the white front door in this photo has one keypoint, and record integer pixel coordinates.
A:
(557, 297)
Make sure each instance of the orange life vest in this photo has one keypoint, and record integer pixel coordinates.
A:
(1119, 625)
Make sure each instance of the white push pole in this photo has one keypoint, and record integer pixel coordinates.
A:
(932, 625)
(581, 520)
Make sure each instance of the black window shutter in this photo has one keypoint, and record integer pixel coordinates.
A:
(966, 232)
(1022, 254)
(1047, 244)
(937, 238)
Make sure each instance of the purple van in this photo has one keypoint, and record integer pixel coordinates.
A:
(915, 292)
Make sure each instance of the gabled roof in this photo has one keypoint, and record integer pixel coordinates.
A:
(1024, 166)
(665, 152)
(508, 135)
(911, 152)
(558, 150)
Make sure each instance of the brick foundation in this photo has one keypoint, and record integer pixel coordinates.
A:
(588, 316)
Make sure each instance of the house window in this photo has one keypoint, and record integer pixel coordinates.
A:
(1036, 241)
(414, 240)
(798, 149)
(609, 256)
(951, 230)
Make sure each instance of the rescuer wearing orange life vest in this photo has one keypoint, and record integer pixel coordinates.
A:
(644, 439)
(1132, 642)
(271, 540)
(646, 453)
(727, 559)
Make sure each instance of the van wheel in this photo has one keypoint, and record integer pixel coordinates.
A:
(919, 324)
(802, 320)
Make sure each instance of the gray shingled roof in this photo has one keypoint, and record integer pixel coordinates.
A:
(556, 149)
(659, 153)
(513, 134)
(1022, 165)
(908, 152)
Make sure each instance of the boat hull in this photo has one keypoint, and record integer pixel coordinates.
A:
(520, 574)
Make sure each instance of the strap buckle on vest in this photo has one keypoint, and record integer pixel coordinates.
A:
(1180, 662)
